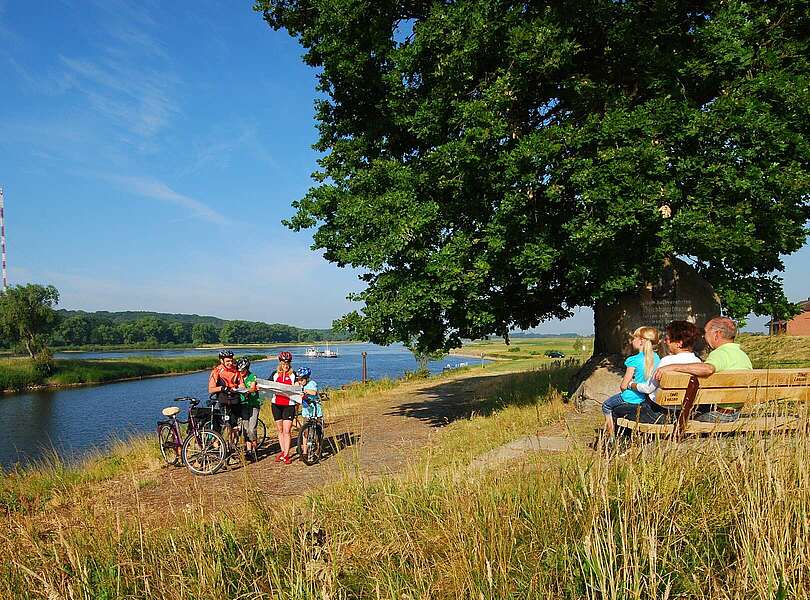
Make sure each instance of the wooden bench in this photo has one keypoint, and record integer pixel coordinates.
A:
(754, 390)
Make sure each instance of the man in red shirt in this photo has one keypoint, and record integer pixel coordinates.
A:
(225, 379)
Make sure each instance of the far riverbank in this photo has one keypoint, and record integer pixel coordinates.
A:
(20, 375)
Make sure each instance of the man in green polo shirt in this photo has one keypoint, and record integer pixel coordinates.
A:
(726, 355)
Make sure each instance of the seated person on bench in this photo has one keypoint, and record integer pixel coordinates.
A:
(726, 355)
(680, 338)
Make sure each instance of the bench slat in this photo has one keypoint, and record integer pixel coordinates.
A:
(744, 379)
(741, 425)
(735, 395)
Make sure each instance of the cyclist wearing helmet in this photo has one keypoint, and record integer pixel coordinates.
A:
(310, 404)
(223, 382)
(251, 403)
(283, 407)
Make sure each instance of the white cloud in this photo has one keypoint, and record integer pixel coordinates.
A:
(135, 99)
(216, 148)
(157, 190)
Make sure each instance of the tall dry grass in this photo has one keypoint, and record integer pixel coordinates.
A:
(714, 519)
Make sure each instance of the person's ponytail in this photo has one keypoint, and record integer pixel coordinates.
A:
(650, 337)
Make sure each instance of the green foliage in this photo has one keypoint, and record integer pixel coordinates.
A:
(79, 329)
(43, 362)
(490, 165)
(203, 333)
(27, 315)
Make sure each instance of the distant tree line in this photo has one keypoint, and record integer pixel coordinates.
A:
(66, 329)
(91, 330)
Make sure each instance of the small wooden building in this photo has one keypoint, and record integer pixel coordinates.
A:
(798, 325)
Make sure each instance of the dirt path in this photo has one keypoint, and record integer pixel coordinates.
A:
(378, 440)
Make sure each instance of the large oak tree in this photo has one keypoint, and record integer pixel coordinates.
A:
(492, 164)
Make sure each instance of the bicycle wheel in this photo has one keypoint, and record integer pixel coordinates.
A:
(204, 452)
(261, 434)
(168, 447)
(235, 447)
(310, 443)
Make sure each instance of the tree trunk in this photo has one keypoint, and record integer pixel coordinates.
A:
(680, 294)
(29, 345)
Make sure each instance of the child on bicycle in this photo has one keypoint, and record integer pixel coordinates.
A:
(310, 402)
(250, 405)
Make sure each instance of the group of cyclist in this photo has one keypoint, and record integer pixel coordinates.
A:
(236, 391)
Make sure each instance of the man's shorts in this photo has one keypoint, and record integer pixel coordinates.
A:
(283, 413)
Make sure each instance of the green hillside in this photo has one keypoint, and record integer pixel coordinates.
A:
(134, 315)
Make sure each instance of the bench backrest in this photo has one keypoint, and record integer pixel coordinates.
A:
(737, 387)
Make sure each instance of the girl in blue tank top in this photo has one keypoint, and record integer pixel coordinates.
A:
(639, 367)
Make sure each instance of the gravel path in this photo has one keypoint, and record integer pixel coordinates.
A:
(380, 440)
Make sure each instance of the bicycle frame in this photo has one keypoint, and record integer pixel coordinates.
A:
(174, 423)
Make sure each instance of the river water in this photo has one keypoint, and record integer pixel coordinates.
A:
(72, 421)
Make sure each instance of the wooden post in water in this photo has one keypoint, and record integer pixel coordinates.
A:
(363, 372)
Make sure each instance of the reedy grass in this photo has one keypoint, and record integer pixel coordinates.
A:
(722, 519)
(20, 373)
(42, 483)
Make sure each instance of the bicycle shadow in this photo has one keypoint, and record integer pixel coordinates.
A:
(335, 443)
(332, 445)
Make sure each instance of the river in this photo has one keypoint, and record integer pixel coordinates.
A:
(73, 421)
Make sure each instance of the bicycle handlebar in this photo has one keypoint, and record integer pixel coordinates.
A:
(185, 399)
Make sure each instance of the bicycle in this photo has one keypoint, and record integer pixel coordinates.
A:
(311, 439)
(202, 450)
(221, 418)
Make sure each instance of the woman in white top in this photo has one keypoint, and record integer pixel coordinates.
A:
(680, 338)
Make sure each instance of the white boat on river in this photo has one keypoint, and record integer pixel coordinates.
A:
(313, 352)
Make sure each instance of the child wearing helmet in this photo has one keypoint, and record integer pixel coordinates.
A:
(310, 404)
(251, 403)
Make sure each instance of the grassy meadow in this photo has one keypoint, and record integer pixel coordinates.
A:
(774, 352)
(579, 348)
(782, 351)
(20, 373)
(722, 518)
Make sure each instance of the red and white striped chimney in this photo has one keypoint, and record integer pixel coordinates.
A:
(3, 237)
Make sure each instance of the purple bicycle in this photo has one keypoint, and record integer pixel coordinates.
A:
(203, 451)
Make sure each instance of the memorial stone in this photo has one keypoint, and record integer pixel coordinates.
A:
(680, 294)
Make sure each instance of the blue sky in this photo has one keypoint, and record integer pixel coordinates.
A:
(149, 151)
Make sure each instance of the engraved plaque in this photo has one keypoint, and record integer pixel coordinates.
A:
(659, 314)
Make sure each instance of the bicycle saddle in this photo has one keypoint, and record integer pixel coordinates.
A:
(170, 411)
